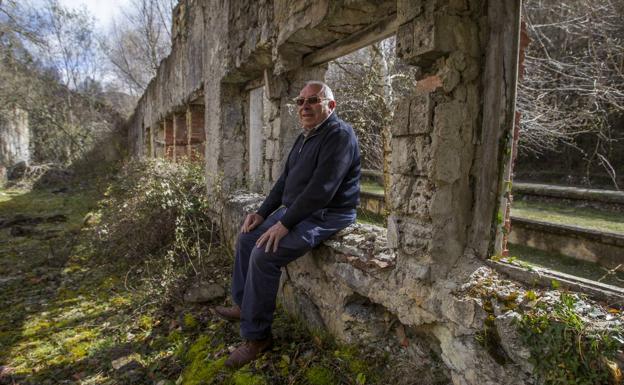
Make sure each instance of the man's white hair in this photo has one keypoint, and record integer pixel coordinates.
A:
(325, 90)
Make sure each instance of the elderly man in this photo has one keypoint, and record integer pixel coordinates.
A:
(315, 196)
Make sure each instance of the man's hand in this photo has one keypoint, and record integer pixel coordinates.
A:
(272, 237)
(251, 222)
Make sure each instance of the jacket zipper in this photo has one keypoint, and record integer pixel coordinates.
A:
(306, 139)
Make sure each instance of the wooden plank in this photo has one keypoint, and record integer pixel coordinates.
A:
(499, 97)
(175, 132)
(189, 130)
(383, 29)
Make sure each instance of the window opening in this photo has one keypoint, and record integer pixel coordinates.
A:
(256, 138)
(367, 84)
(568, 209)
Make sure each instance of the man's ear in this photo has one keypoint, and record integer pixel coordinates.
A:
(331, 104)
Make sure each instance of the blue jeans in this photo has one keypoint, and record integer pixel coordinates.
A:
(256, 275)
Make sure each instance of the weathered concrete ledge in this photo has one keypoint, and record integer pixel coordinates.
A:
(566, 192)
(595, 246)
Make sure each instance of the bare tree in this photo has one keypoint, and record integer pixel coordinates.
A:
(367, 83)
(574, 77)
(139, 41)
(49, 69)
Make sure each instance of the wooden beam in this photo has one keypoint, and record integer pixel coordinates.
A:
(376, 32)
(175, 129)
(499, 101)
(189, 131)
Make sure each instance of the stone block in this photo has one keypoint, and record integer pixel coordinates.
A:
(414, 236)
(421, 114)
(411, 155)
(448, 140)
(405, 41)
(400, 121)
(269, 153)
(413, 115)
(277, 127)
(426, 38)
(408, 10)
(411, 196)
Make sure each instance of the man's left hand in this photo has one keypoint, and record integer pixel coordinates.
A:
(272, 237)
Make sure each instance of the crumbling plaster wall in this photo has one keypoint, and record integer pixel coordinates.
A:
(448, 141)
(14, 137)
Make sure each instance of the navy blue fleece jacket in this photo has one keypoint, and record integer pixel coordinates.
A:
(322, 171)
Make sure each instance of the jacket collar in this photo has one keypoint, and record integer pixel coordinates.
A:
(316, 130)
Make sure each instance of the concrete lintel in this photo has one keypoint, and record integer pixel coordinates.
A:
(379, 31)
(612, 295)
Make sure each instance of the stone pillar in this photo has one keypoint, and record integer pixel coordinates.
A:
(256, 138)
(14, 138)
(433, 142)
(181, 136)
(197, 131)
(226, 145)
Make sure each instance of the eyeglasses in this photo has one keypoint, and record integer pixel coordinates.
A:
(300, 101)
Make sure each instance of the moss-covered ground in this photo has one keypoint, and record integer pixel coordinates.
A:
(71, 314)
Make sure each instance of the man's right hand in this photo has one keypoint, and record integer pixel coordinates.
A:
(251, 222)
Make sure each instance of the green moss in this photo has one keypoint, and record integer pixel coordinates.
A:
(349, 356)
(190, 322)
(200, 348)
(203, 371)
(319, 375)
(146, 322)
(243, 377)
(564, 350)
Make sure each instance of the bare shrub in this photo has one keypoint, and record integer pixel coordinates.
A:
(158, 214)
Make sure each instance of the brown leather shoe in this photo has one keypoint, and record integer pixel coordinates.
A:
(247, 352)
(232, 313)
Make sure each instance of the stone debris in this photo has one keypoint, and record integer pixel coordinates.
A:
(129, 362)
(363, 246)
(204, 292)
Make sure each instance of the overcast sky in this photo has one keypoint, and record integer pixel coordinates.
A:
(102, 10)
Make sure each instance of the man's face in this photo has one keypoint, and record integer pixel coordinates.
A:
(311, 115)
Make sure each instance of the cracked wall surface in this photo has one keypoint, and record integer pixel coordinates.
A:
(447, 158)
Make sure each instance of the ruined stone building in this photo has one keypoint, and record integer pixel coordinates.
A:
(14, 138)
(224, 94)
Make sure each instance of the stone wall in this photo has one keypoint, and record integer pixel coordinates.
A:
(14, 138)
(448, 158)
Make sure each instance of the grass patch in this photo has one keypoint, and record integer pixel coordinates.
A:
(371, 187)
(369, 218)
(565, 264)
(565, 349)
(569, 215)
